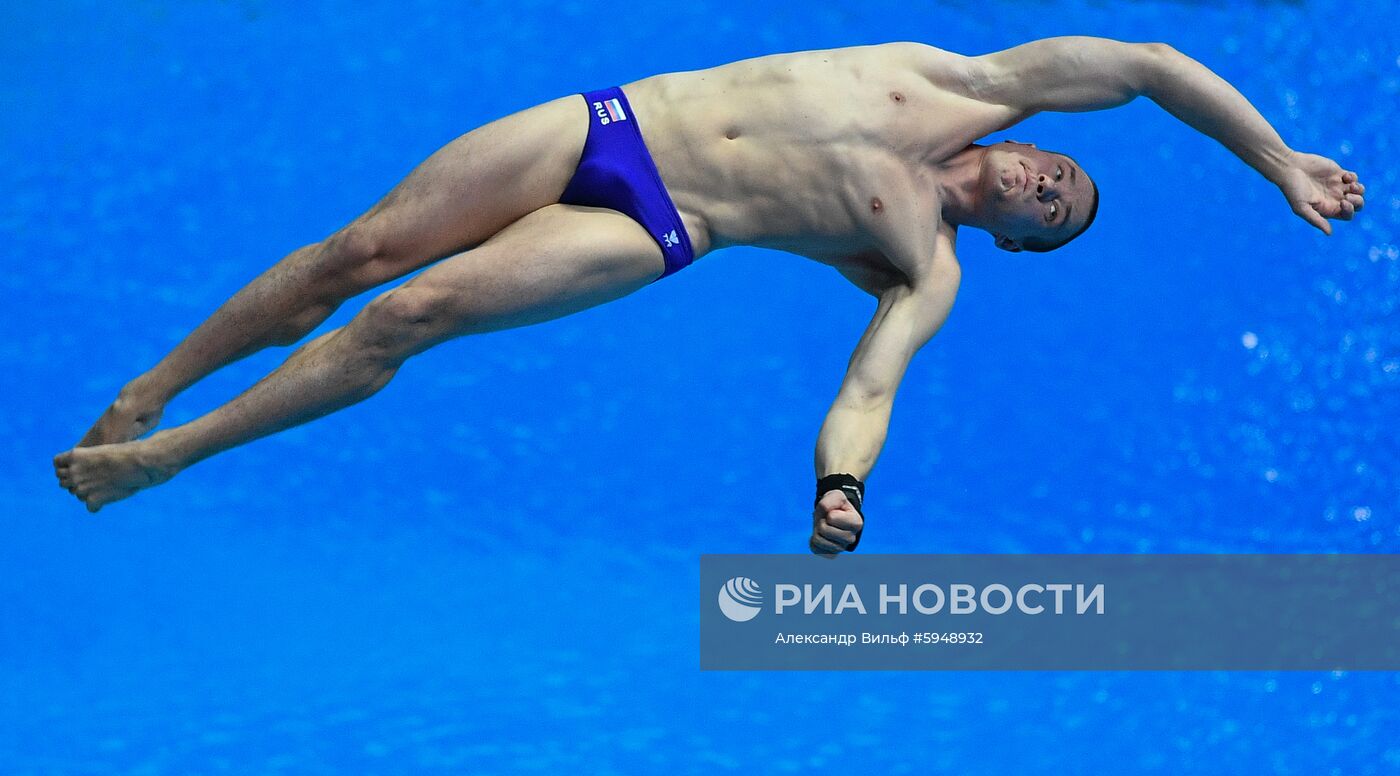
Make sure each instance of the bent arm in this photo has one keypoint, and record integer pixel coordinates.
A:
(1077, 73)
(1081, 74)
(905, 319)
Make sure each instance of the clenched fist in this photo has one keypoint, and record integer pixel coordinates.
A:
(836, 525)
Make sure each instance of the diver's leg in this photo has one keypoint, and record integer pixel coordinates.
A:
(461, 195)
(555, 261)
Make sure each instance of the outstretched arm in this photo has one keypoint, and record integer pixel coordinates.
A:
(854, 431)
(1076, 73)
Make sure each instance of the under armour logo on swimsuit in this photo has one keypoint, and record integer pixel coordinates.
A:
(671, 239)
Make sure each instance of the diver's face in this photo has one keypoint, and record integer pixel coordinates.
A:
(1032, 195)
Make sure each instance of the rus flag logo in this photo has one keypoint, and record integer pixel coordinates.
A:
(610, 110)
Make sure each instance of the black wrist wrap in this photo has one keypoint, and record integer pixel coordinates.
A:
(852, 487)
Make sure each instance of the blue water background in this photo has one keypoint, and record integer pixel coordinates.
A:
(491, 566)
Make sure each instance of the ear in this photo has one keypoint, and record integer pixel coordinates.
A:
(1007, 244)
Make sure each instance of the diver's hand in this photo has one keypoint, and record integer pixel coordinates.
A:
(1317, 189)
(836, 525)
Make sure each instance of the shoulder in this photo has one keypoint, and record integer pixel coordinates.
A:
(905, 225)
(966, 85)
(945, 275)
(942, 271)
(876, 273)
(949, 70)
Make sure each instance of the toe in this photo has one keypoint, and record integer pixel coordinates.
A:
(94, 499)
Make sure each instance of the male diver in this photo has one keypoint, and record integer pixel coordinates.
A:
(861, 158)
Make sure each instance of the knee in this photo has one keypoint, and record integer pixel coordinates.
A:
(396, 323)
(355, 250)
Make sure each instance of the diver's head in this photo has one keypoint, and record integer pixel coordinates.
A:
(1034, 200)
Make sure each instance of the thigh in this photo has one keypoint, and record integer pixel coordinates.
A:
(558, 260)
(472, 188)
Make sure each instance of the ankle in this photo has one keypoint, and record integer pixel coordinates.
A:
(143, 394)
(162, 451)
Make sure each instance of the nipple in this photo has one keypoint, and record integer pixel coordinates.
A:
(876, 204)
(898, 97)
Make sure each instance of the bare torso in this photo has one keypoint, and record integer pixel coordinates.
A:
(802, 152)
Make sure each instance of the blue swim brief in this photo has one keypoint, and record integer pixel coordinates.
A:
(616, 171)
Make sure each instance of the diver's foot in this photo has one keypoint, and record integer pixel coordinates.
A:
(129, 417)
(99, 475)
